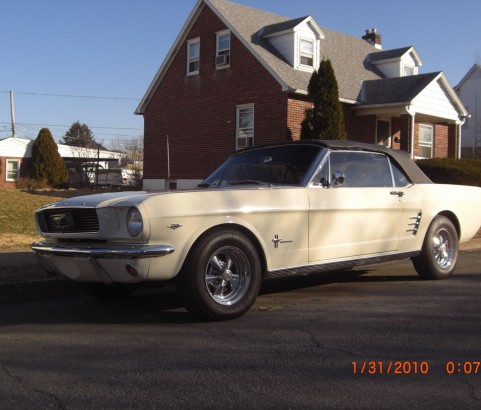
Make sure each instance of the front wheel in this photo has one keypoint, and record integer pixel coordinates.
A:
(440, 250)
(221, 278)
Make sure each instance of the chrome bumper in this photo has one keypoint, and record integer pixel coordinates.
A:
(119, 251)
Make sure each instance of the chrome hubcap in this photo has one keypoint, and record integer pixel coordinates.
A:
(227, 275)
(443, 248)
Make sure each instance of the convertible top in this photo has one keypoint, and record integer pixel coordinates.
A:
(400, 157)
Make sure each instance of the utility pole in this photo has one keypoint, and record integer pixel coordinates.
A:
(12, 114)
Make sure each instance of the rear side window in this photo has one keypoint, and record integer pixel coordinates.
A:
(400, 178)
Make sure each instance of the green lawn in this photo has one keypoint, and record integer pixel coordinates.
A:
(17, 225)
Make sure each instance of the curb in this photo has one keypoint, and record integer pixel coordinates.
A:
(22, 279)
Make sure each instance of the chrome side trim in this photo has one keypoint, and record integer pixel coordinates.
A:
(332, 266)
(126, 251)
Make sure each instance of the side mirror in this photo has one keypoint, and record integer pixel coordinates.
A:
(338, 178)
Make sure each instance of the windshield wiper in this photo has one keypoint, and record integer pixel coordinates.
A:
(249, 182)
(203, 185)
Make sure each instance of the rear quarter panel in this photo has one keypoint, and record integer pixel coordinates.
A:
(461, 203)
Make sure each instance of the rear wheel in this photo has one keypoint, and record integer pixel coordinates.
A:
(440, 250)
(222, 276)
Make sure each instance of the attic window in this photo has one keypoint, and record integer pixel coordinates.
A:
(306, 52)
(222, 56)
(408, 70)
(193, 56)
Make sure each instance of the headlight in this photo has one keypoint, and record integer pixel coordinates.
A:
(134, 222)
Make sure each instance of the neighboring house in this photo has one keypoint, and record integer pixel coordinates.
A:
(469, 92)
(237, 76)
(15, 153)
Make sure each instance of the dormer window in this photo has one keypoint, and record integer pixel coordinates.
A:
(222, 56)
(408, 70)
(193, 56)
(306, 52)
(298, 40)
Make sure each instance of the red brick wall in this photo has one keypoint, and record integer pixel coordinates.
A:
(453, 138)
(198, 112)
(296, 113)
(441, 132)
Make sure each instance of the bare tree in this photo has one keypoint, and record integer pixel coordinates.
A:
(134, 159)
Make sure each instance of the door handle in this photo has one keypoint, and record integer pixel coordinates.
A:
(400, 194)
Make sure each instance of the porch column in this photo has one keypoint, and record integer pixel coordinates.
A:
(453, 138)
(406, 128)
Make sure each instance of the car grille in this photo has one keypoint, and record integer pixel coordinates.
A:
(83, 220)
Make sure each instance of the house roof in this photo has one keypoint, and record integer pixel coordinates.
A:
(15, 147)
(353, 59)
(281, 27)
(22, 148)
(348, 54)
(403, 90)
(395, 53)
(475, 67)
(397, 89)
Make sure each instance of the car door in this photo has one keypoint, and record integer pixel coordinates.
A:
(357, 212)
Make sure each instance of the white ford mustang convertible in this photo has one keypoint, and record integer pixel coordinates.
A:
(286, 209)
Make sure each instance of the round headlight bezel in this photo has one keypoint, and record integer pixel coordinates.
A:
(135, 223)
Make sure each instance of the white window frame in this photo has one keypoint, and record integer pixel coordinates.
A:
(410, 68)
(243, 139)
(222, 51)
(302, 54)
(426, 144)
(7, 171)
(193, 58)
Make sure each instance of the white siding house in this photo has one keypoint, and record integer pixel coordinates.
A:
(15, 152)
(469, 92)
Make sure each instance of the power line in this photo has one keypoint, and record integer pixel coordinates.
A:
(72, 96)
(68, 126)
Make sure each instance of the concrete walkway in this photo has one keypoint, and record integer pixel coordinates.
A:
(22, 279)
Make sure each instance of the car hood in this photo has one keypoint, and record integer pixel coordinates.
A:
(101, 200)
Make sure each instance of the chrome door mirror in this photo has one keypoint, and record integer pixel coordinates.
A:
(337, 178)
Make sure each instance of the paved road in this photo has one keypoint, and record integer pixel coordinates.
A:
(294, 350)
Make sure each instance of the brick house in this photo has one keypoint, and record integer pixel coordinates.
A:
(237, 76)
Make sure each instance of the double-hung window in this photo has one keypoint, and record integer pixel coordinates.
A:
(222, 56)
(193, 56)
(306, 52)
(245, 126)
(426, 138)
(13, 169)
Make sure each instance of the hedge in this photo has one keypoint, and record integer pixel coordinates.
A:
(452, 171)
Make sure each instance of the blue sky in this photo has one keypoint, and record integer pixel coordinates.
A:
(113, 48)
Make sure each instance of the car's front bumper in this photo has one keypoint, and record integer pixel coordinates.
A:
(119, 263)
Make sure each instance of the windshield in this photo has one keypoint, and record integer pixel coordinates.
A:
(278, 165)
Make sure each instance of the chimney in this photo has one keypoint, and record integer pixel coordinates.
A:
(373, 37)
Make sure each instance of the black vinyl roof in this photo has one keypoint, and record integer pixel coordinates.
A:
(400, 157)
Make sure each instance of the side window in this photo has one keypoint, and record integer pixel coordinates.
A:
(360, 169)
(222, 56)
(245, 126)
(13, 169)
(193, 56)
(400, 178)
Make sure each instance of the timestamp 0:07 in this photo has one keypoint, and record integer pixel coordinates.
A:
(390, 367)
(470, 367)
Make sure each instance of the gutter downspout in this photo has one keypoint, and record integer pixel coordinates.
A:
(460, 124)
